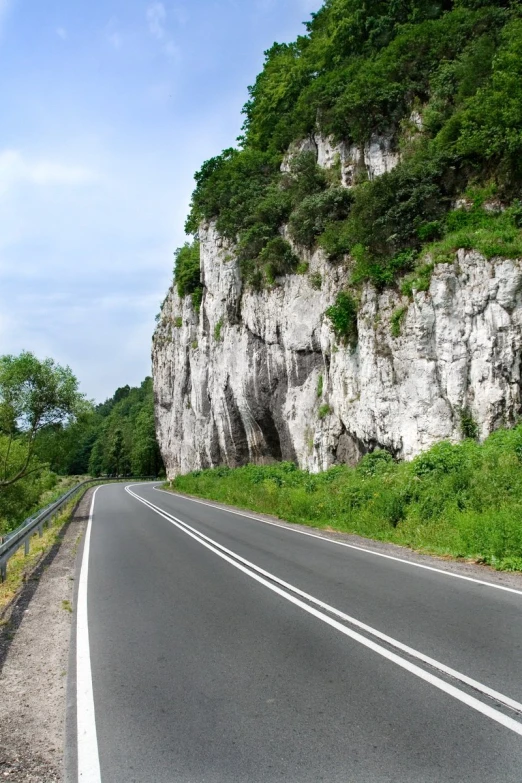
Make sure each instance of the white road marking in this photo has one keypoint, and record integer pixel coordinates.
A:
(88, 758)
(250, 569)
(342, 543)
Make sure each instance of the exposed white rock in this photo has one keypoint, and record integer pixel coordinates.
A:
(416, 119)
(374, 158)
(304, 145)
(239, 381)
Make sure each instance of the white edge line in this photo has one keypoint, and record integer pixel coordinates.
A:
(451, 690)
(340, 543)
(87, 741)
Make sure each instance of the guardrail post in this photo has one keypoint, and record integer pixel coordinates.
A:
(27, 544)
(40, 530)
(3, 571)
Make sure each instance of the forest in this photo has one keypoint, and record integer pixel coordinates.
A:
(49, 431)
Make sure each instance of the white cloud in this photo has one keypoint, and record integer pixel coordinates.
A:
(61, 32)
(15, 168)
(156, 17)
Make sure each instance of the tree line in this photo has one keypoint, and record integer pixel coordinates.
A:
(49, 429)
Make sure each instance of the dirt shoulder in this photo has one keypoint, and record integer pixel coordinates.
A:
(34, 651)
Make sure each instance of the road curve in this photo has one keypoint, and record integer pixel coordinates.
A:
(213, 648)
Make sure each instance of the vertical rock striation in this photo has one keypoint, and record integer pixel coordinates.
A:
(259, 376)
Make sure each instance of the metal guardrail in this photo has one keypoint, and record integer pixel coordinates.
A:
(10, 543)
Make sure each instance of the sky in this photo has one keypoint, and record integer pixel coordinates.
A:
(108, 109)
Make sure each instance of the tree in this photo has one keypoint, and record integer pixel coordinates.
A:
(96, 461)
(118, 457)
(145, 456)
(34, 395)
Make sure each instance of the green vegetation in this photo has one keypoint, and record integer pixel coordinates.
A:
(34, 396)
(396, 321)
(468, 425)
(124, 441)
(464, 500)
(48, 430)
(442, 80)
(217, 330)
(187, 274)
(324, 411)
(320, 382)
(21, 566)
(343, 317)
(178, 321)
(316, 280)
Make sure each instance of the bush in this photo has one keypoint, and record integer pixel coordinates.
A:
(336, 240)
(461, 499)
(343, 317)
(374, 463)
(314, 213)
(316, 281)
(397, 318)
(468, 424)
(187, 269)
(442, 458)
(277, 258)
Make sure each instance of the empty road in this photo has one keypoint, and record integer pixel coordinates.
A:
(216, 648)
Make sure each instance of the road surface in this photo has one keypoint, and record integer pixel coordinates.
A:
(215, 648)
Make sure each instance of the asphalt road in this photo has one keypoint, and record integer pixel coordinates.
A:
(222, 649)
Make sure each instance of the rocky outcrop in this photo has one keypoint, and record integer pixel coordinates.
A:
(259, 376)
(367, 161)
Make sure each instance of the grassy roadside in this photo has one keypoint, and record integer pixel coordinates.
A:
(20, 567)
(462, 500)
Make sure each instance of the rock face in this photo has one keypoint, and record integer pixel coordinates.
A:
(371, 160)
(256, 377)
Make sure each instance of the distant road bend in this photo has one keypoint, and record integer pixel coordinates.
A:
(212, 647)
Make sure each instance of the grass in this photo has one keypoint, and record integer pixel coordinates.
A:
(491, 233)
(217, 330)
(19, 566)
(65, 483)
(461, 500)
(396, 321)
(316, 280)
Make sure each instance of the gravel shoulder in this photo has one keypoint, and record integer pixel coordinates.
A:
(34, 653)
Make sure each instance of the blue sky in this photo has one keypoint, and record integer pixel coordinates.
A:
(108, 108)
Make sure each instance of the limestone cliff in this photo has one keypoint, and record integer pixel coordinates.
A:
(259, 376)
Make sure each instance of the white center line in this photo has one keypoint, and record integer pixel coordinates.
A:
(366, 550)
(250, 569)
